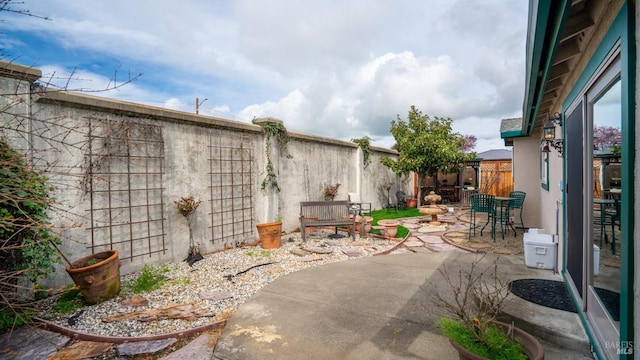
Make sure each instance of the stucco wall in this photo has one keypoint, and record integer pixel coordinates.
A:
(118, 168)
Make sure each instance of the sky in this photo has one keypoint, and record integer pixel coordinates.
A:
(334, 68)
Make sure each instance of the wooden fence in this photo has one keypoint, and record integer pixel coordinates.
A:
(496, 177)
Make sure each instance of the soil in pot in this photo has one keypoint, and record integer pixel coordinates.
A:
(97, 276)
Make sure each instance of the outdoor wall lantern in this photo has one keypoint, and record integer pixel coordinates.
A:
(549, 133)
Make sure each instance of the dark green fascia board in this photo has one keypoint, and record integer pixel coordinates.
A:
(546, 22)
(510, 134)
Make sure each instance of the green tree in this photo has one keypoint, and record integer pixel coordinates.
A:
(425, 146)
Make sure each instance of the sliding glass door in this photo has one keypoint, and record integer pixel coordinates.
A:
(593, 144)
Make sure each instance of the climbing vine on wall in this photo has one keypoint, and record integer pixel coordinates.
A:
(365, 144)
(28, 243)
(273, 128)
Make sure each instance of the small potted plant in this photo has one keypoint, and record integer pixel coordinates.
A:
(476, 298)
(186, 207)
(331, 191)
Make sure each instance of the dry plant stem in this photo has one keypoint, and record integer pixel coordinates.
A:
(479, 295)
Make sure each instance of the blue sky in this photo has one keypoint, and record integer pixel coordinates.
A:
(342, 69)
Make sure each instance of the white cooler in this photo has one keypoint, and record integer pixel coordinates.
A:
(540, 251)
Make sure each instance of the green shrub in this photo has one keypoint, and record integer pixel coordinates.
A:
(499, 346)
(24, 221)
(150, 278)
(10, 318)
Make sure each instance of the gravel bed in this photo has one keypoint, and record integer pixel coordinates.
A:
(204, 284)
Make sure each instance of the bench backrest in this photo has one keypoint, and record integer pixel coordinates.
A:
(325, 210)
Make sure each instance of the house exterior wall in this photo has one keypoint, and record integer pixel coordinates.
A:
(581, 71)
(526, 156)
(118, 168)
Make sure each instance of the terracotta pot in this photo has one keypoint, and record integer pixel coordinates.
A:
(531, 346)
(270, 234)
(367, 226)
(390, 227)
(97, 276)
(411, 202)
(309, 229)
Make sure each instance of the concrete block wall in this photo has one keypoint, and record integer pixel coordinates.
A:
(160, 156)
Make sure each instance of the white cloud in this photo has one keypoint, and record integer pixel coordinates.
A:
(326, 67)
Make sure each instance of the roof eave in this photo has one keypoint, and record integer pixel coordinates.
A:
(546, 22)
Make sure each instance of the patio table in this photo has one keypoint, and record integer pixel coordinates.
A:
(502, 205)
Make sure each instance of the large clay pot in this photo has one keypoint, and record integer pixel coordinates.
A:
(367, 226)
(531, 346)
(412, 202)
(97, 276)
(270, 234)
(390, 227)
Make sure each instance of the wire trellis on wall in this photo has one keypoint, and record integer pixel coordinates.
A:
(231, 187)
(124, 182)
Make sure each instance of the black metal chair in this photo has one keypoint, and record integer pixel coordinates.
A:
(401, 199)
(482, 203)
(518, 203)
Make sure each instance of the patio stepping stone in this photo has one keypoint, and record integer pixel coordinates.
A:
(83, 350)
(431, 229)
(411, 221)
(144, 347)
(135, 301)
(200, 348)
(299, 252)
(458, 227)
(352, 253)
(441, 247)
(430, 239)
(413, 243)
(318, 250)
(411, 226)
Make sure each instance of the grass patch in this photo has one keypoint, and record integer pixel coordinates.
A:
(150, 278)
(499, 345)
(384, 214)
(264, 253)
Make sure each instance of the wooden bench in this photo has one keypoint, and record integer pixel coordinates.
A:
(326, 213)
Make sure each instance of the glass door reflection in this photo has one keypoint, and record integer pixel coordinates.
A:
(607, 191)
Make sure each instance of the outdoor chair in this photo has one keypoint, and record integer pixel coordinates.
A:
(482, 203)
(605, 215)
(401, 201)
(401, 197)
(518, 204)
(357, 206)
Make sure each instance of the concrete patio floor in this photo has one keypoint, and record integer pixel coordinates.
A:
(379, 308)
